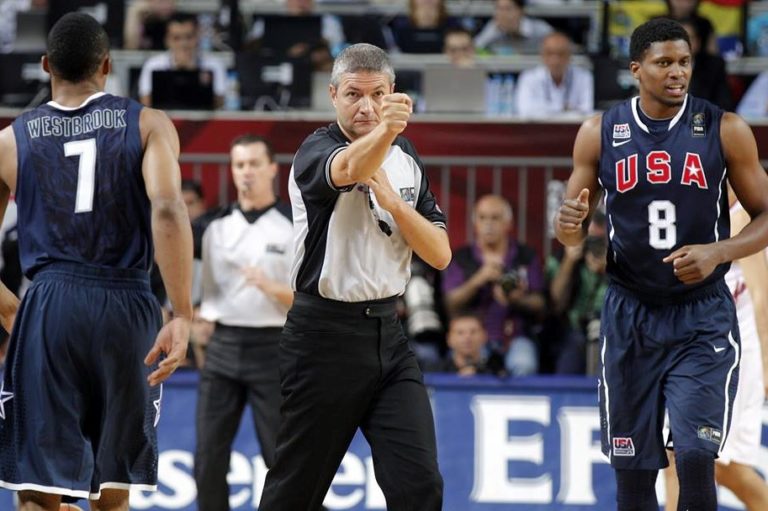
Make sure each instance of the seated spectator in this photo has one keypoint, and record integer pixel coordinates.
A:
(500, 280)
(754, 103)
(708, 79)
(466, 340)
(145, 24)
(577, 285)
(423, 29)
(181, 39)
(459, 47)
(555, 87)
(510, 31)
(680, 10)
(331, 31)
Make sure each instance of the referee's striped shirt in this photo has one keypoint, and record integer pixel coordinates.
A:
(346, 247)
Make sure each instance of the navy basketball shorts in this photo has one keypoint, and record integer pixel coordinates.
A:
(76, 412)
(683, 356)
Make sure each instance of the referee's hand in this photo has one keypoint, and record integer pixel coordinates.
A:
(396, 109)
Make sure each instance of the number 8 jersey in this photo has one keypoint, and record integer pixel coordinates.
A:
(665, 188)
(79, 188)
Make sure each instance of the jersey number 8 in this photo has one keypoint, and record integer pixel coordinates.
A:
(662, 232)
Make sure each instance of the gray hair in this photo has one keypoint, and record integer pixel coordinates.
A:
(361, 57)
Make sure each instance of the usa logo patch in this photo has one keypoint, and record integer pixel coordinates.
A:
(623, 446)
(621, 131)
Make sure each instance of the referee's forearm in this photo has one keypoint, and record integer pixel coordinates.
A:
(429, 241)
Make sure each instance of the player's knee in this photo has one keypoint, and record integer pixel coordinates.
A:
(636, 490)
(696, 473)
(28, 498)
(694, 460)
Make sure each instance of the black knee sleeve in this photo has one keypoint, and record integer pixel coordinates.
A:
(696, 473)
(636, 490)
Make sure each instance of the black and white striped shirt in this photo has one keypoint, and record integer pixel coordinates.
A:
(347, 248)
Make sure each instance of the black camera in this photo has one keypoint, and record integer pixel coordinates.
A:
(509, 281)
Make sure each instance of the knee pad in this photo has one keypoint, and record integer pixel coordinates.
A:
(636, 490)
(696, 473)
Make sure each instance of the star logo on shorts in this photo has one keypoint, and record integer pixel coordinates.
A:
(156, 403)
(4, 398)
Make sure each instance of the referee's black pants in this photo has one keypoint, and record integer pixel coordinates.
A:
(344, 366)
(241, 367)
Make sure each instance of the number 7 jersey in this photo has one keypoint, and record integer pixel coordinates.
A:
(79, 188)
(663, 189)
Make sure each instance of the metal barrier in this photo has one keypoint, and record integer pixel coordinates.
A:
(533, 185)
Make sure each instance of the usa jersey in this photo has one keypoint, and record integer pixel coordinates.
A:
(663, 190)
(80, 191)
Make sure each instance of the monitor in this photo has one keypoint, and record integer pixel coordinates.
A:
(31, 31)
(273, 83)
(183, 89)
(613, 81)
(23, 83)
(110, 13)
(283, 31)
(448, 89)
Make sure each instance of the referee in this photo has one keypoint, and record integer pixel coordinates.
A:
(247, 257)
(361, 205)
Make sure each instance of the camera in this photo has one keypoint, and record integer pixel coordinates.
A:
(509, 281)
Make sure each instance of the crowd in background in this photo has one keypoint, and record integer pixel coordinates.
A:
(306, 35)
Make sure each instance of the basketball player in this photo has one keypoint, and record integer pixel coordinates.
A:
(96, 180)
(669, 332)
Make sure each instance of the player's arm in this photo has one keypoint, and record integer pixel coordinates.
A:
(694, 263)
(9, 302)
(172, 235)
(364, 156)
(755, 269)
(582, 191)
(429, 241)
(749, 182)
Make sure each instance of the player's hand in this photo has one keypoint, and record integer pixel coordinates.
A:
(573, 212)
(386, 196)
(693, 263)
(396, 110)
(172, 341)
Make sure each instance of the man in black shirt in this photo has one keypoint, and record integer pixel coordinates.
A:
(361, 206)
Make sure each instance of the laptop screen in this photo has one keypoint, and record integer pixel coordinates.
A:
(182, 89)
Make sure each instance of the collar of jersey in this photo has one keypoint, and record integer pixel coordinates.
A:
(71, 108)
(636, 105)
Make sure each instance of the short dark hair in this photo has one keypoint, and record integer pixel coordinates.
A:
(654, 31)
(250, 138)
(190, 185)
(77, 43)
(182, 17)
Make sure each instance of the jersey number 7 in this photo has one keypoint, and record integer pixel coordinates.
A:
(86, 171)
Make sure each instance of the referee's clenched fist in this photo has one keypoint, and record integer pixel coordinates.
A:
(396, 109)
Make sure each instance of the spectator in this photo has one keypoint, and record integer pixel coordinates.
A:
(193, 198)
(754, 103)
(331, 30)
(423, 29)
(555, 87)
(708, 79)
(680, 10)
(577, 285)
(181, 39)
(459, 47)
(145, 24)
(500, 280)
(467, 341)
(511, 31)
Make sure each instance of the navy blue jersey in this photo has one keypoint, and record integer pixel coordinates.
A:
(664, 189)
(80, 190)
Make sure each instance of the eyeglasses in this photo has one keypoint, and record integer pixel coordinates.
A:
(384, 226)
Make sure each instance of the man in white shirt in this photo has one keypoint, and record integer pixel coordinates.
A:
(247, 255)
(510, 31)
(181, 39)
(754, 103)
(555, 88)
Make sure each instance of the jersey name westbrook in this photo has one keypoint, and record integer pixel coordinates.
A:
(60, 126)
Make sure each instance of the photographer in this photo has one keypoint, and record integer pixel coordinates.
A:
(500, 280)
(577, 284)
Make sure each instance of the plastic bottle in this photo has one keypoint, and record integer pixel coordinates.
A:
(232, 94)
